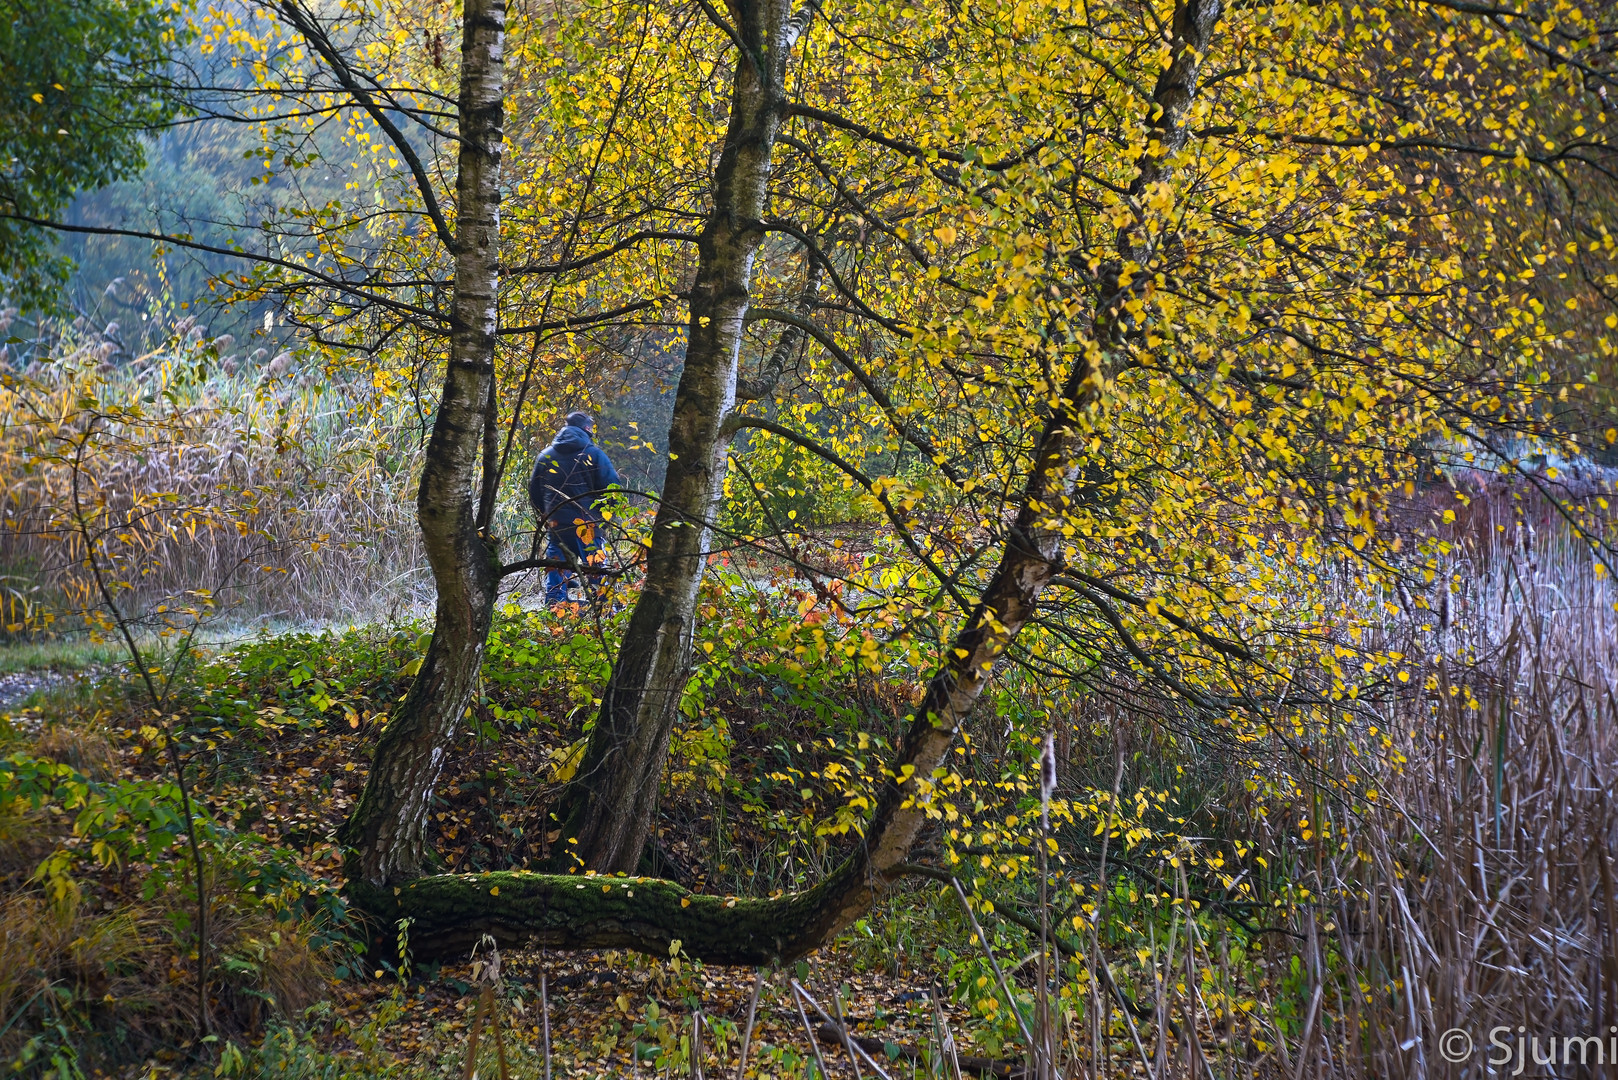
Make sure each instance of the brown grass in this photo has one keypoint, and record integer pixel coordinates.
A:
(286, 496)
(1478, 889)
(112, 985)
(85, 748)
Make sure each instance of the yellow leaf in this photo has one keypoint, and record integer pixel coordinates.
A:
(566, 760)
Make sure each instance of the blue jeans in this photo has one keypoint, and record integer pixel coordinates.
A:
(566, 544)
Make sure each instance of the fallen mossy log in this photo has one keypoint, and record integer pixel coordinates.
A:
(450, 913)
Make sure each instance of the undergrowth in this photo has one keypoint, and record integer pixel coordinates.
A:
(1213, 893)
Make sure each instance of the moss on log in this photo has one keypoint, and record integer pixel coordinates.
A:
(449, 913)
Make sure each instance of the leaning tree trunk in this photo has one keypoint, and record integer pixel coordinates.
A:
(451, 912)
(609, 807)
(1033, 547)
(386, 834)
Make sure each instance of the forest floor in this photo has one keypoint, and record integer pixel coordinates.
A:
(615, 1014)
(307, 1011)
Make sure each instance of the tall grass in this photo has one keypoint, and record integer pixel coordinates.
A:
(279, 491)
(1479, 888)
(1434, 869)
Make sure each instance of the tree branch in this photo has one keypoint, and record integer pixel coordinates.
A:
(594, 257)
(345, 287)
(835, 459)
(877, 394)
(310, 29)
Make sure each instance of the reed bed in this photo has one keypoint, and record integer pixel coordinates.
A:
(204, 482)
(1438, 895)
(1477, 892)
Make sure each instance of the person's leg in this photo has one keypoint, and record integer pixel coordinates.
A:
(557, 581)
(590, 555)
(571, 546)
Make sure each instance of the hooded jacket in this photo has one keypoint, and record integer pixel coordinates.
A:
(570, 476)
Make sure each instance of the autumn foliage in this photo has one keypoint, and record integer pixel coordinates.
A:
(1208, 407)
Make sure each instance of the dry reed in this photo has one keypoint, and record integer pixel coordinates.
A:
(282, 495)
(1477, 889)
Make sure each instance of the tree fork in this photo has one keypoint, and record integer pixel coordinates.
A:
(609, 806)
(450, 912)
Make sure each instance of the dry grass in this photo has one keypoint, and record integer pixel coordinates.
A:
(59, 958)
(1476, 890)
(104, 986)
(283, 495)
(1484, 872)
(86, 748)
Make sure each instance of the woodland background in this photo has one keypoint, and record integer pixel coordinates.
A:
(1114, 575)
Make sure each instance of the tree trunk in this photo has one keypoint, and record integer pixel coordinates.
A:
(609, 807)
(569, 912)
(386, 833)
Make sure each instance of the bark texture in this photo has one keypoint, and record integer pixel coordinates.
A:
(611, 803)
(450, 913)
(570, 912)
(386, 834)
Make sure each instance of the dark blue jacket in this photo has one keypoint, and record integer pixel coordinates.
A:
(570, 477)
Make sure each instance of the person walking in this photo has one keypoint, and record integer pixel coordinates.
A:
(570, 480)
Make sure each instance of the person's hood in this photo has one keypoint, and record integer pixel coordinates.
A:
(570, 440)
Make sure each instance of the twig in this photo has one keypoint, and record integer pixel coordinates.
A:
(499, 1036)
(1101, 914)
(842, 1027)
(747, 1033)
(1060, 947)
(472, 1040)
(946, 1038)
(545, 1021)
(1308, 1032)
(159, 701)
(809, 1031)
(488, 973)
(851, 1045)
(1192, 936)
(998, 1067)
(994, 965)
(1045, 1063)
